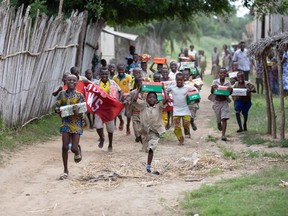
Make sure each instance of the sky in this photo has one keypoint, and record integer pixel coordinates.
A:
(241, 11)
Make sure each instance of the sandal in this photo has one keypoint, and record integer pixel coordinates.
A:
(78, 158)
(63, 176)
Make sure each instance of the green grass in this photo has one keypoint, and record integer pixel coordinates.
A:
(37, 131)
(229, 153)
(258, 194)
(211, 139)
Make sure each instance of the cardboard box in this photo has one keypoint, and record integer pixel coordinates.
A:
(233, 74)
(193, 71)
(68, 109)
(151, 87)
(192, 96)
(239, 92)
(158, 60)
(222, 90)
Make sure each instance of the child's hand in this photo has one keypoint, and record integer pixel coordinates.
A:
(215, 86)
(229, 88)
(75, 110)
(140, 85)
(60, 88)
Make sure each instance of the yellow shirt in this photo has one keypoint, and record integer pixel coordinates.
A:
(105, 86)
(123, 83)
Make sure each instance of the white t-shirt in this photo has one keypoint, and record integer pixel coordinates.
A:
(172, 75)
(180, 107)
(242, 60)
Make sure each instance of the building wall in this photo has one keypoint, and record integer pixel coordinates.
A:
(274, 23)
(107, 46)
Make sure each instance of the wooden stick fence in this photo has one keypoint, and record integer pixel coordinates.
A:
(33, 59)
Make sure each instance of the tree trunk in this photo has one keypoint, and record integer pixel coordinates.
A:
(270, 103)
(282, 103)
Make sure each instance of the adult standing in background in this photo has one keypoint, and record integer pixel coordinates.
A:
(192, 52)
(215, 57)
(226, 58)
(240, 56)
(131, 53)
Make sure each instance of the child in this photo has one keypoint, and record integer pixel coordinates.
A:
(221, 106)
(151, 123)
(111, 69)
(157, 78)
(174, 70)
(180, 109)
(135, 113)
(194, 105)
(165, 74)
(60, 88)
(136, 73)
(124, 82)
(243, 103)
(259, 76)
(111, 88)
(72, 126)
(89, 76)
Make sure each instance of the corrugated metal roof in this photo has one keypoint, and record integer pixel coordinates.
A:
(128, 36)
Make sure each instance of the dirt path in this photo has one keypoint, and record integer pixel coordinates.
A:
(29, 184)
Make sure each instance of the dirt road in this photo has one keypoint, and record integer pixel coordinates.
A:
(109, 184)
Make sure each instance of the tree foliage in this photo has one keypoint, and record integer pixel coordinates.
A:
(260, 7)
(133, 12)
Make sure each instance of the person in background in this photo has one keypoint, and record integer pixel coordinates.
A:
(132, 50)
(241, 57)
(173, 70)
(89, 76)
(60, 88)
(112, 70)
(124, 81)
(226, 58)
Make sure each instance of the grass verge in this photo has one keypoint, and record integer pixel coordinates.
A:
(258, 194)
(37, 131)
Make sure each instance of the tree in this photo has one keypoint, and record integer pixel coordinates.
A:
(133, 12)
(261, 7)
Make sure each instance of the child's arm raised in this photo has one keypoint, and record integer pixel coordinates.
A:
(151, 68)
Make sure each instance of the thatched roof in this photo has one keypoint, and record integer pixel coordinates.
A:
(264, 45)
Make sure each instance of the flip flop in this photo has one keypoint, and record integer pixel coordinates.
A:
(63, 176)
(78, 158)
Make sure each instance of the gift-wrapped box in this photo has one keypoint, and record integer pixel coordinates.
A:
(221, 90)
(158, 60)
(159, 96)
(193, 71)
(68, 109)
(151, 87)
(145, 58)
(189, 65)
(198, 81)
(239, 92)
(192, 96)
(233, 74)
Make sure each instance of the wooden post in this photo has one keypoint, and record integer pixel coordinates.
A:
(266, 89)
(60, 8)
(282, 102)
(270, 104)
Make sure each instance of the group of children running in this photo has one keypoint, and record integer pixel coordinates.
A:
(150, 115)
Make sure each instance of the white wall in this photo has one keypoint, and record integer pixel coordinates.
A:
(107, 46)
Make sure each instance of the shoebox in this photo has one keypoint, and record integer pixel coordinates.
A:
(198, 81)
(158, 60)
(222, 90)
(239, 92)
(193, 71)
(151, 87)
(192, 96)
(68, 109)
(159, 96)
(233, 74)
